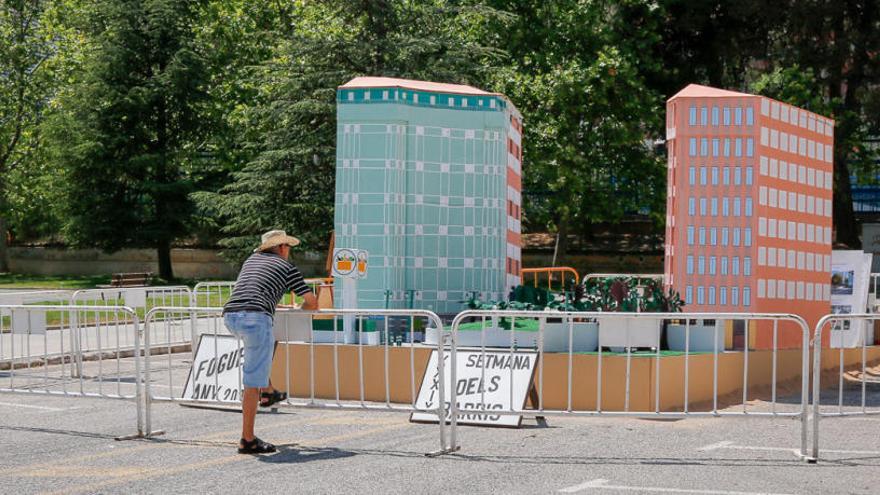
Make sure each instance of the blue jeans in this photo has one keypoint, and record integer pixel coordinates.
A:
(255, 330)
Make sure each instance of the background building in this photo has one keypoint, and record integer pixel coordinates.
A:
(428, 180)
(749, 206)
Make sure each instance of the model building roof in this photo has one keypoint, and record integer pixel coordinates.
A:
(392, 82)
(700, 91)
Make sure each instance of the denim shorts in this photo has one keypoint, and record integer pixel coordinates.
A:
(255, 330)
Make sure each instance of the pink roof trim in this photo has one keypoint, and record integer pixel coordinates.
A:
(391, 82)
(699, 91)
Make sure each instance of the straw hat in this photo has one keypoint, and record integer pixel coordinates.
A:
(276, 238)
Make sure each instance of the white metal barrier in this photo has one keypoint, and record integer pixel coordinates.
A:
(34, 296)
(139, 298)
(164, 381)
(797, 410)
(215, 294)
(211, 294)
(40, 352)
(843, 406)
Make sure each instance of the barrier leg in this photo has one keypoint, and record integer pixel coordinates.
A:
(445, 409)
(138, 394)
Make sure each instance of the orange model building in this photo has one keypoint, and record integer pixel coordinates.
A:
(748, 224)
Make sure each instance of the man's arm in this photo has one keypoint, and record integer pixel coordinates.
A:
(310, 303)
(299, 287)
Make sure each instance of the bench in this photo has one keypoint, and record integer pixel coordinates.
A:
(137, 279)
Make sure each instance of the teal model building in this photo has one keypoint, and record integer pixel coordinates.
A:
(428, 181)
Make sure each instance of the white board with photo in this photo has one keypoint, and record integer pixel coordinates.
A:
(850, 276)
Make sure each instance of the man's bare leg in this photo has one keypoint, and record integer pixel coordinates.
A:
(249, 402)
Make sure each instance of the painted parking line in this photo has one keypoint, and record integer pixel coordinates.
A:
(728, 445)
(39, 408)
(602, 484)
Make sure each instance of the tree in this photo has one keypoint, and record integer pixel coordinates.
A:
(589, 118)
(289, 182)
(839, 42)
(820, 55)
(128, 130)
(25, 48)
(242, 35)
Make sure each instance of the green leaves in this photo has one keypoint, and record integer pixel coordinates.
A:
(287, 180)
(127, 130)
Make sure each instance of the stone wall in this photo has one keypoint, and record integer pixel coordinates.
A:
(187, 263)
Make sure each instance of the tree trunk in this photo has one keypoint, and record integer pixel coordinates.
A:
(165, 270)
(561, 249)
(4, 250)
(843, 214)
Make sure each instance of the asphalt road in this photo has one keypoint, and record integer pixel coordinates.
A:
(66, 445)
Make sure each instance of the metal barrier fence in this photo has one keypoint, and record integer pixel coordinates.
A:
(647, 276)
(41, 352)
(550, 271)
(139, 298)
(32, 296)
(562, 403)
(215, 294)
(843, 407)
(318, 371)
(103, 351)
(211, 294)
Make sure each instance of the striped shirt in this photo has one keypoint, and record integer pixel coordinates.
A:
(262, 282)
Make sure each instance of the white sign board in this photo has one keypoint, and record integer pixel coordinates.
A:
(28, 322)
(350, 263)
(215, 372)
(850, 273)
(485, 382)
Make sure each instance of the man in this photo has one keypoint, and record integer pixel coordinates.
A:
(264, 279)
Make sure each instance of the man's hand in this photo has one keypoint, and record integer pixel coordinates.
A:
(310, 302)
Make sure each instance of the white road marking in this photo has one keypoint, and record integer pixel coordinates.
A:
(42, 408)
(602, 484)
(716, 446)
(731, 446)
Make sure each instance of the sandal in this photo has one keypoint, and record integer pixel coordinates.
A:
(255, 446)
(269, 398)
